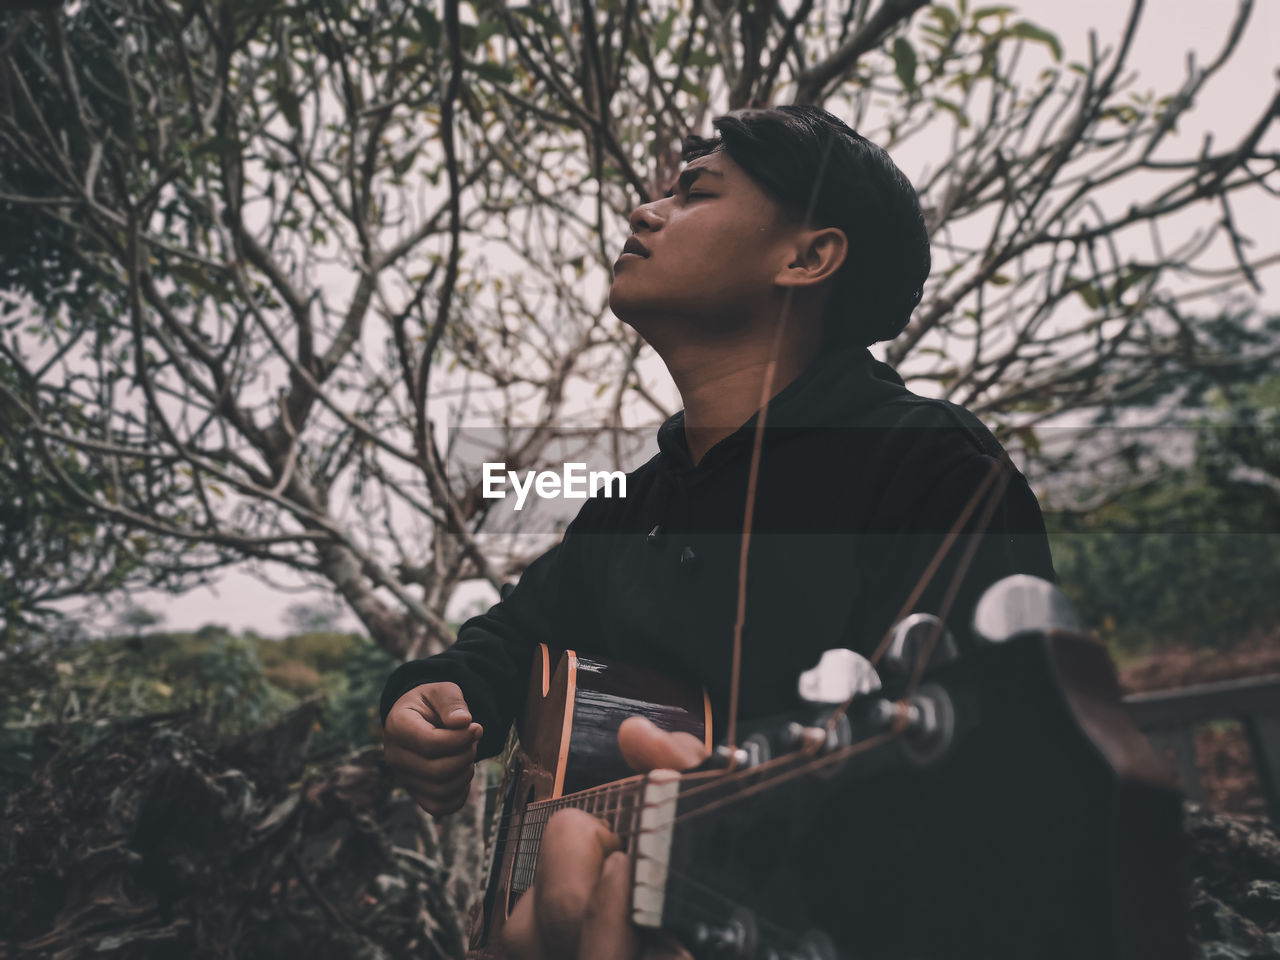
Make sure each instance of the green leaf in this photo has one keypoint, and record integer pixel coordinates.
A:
(1029, 31)
(904, 63)
(693, 89)
(198, 278)
(983, 12)
(290, 105)
(998, 280)
(987, 68)
(544, 18)
(1123, 283)
(495, 72)
(1028, 436)
(702, 58)
(945, 17)
(400, 166)
(487, 29)
(430, 26)
(1089, 294)
(662, 32)
(954, 109)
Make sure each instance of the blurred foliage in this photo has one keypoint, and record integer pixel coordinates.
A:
(1189, 555)
(231, 684)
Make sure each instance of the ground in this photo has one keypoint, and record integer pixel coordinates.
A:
(1222, 753)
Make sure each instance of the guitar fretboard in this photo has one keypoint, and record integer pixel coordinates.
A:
(617, 804)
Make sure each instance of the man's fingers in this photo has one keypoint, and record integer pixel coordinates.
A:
(416, 734)
(440, 807)
(519, 940)
(440, 790)
(546, 920)
(406, 763)
(573, 851)
(662, 946)
(446, 701)
(645, 747)
(440, 787)
(607, 930)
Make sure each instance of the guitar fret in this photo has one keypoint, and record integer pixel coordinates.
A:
(632, 827)
(615, 804)
(537, 843)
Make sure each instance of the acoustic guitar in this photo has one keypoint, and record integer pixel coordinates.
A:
(993, 805)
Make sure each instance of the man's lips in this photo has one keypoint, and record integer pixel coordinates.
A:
(635, 246)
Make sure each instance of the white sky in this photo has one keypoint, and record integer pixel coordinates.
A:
(1169, 29)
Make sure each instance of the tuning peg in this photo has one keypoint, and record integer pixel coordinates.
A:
(909, 639)
(839, 675)
(1022, 603)
(735, 939)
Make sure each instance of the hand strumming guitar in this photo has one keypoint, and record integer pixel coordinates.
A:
(577, 907)
(430, 741)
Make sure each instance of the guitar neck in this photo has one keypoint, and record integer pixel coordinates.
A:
(617, 804)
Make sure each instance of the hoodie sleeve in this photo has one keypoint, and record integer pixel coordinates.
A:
(1013, 541)
(491, 658)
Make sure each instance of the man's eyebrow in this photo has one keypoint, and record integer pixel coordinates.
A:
(690, 174)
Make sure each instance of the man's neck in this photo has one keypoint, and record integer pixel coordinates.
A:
(721, 389)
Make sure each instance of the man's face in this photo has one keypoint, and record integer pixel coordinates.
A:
(710, 251)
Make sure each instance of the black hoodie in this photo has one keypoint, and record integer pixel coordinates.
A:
(860, 481)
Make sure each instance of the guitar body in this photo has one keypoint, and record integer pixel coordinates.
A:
(1041, 826)
(567, 743)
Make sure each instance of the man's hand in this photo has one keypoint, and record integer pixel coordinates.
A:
(430, 744)
(577, 907)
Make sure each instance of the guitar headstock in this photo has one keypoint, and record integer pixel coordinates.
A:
(998, 804)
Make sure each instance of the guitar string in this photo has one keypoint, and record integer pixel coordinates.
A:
(526, 865)
(523, 880)
(953, 588)
(780, 932)
(899, 729)
(691, 887)
(998, 475)
(935, 561)
(727, 778)
(723, 780)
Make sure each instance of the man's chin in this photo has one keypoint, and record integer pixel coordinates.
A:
(626, 310)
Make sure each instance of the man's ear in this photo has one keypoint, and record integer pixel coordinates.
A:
(816, 256)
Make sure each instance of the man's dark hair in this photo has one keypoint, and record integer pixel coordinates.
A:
(822, 171)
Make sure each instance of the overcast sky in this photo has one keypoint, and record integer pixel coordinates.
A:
(1169, 29)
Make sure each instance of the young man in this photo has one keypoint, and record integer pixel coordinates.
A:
(786, 247)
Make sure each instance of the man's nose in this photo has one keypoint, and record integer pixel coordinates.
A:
(645, 217)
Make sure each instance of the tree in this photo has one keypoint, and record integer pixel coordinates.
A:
(53, 545)
(1186, 552)
(276, 250)
(303, 617)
